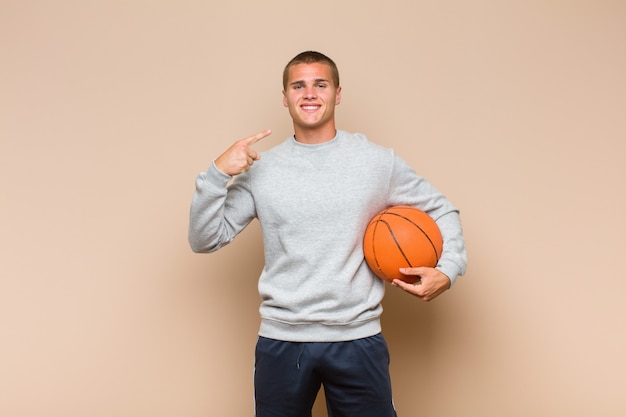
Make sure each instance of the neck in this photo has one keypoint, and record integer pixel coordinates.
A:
(314, 136)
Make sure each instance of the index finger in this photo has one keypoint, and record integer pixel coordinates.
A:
(255, 138)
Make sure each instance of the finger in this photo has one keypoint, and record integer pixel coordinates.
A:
(253, 155)
(398, 283)
(412, 274)
(412, 271)
(255, 138)
(402, 284)
(413, 289)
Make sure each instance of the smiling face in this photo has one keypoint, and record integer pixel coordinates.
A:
(311, 97)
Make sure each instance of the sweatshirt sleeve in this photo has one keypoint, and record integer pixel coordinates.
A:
(411, 189)
(454, 257)
(218, 211)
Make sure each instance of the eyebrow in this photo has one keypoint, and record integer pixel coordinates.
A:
(317, 80)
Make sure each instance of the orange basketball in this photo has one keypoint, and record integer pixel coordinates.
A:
(400, 237)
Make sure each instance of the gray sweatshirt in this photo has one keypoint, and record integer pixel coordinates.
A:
(313, 203)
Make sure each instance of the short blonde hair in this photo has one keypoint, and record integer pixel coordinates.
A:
(311, 57)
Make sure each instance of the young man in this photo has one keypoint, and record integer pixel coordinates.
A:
(313, 195)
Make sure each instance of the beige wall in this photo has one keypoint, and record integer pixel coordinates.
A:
(109, 109)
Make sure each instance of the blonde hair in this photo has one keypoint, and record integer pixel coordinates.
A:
(311, 57)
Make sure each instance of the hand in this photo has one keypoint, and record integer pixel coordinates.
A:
(431, 283)
(240, 156)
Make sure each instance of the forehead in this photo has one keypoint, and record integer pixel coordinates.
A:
(309, 72)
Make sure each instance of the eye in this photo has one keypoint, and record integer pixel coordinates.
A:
(298, 87)
(321, 85)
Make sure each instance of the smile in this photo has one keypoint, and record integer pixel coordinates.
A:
(310, 107)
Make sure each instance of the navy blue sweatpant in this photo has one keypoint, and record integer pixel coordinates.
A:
(354, 374)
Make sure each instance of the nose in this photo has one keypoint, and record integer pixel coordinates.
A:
(310, 92)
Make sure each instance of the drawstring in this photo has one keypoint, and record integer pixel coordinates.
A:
(299, 355)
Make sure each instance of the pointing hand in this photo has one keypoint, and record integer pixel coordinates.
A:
(240, 156)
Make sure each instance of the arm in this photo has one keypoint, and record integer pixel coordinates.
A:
(411, 189)
(218, 213)
(435, 281)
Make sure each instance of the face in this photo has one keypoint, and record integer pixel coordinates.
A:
(311, 97)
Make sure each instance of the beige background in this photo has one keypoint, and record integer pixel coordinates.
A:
(109, 109)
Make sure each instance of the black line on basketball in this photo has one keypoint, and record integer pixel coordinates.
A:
(374, 246)
(393, 236)
(432, 244)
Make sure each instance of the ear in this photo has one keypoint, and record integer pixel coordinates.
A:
(285, 99)
(338, 96)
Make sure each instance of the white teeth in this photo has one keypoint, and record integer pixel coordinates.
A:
(309, 107)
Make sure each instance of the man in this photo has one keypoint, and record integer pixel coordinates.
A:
(313, 195)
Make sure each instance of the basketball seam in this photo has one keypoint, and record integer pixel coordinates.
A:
(374, 246)
(393, 236)
(432, 244)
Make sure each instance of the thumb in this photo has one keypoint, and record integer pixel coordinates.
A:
(413, 271)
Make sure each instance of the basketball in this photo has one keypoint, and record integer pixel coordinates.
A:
(401, 237)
